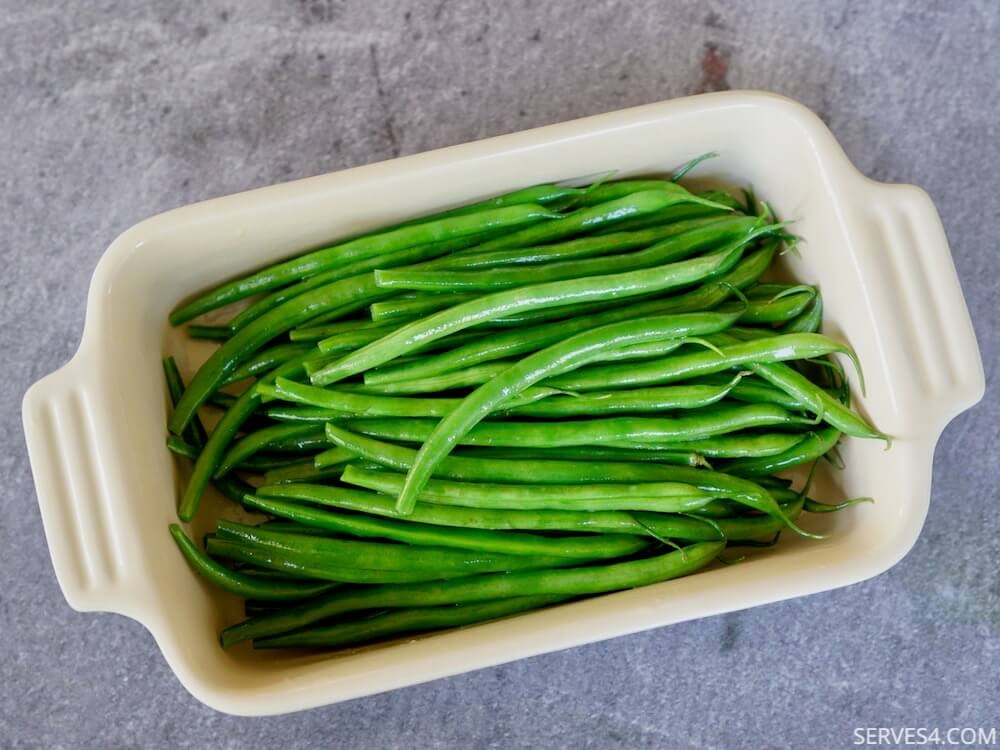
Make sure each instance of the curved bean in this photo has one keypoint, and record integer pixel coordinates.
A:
(241, 584)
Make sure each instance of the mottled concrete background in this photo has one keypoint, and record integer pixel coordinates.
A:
(112, 111)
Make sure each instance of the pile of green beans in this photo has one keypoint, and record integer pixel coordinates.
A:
(550, 394)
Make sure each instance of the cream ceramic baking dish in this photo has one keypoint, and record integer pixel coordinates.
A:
(107, 487)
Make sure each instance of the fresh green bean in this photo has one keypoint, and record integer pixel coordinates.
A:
(413, 620)
(256, 441)
(419, 306)
(240, 584)
(744, 353)
(259, 462)
(808, 321)
(704, 297)
(571, 582)
(251, 337)
(306, 566)
(809, 448)
(279, 274)
(780, 310)
(209, 333)
(672, 249)
(558, 472)
(662, 497)
(580, 521)
(574, 249)
(265, 361)
(503, 542)
(607, 214)
(552, 294)
(225, 430)
(382, 556)
(664, 431)
(736, 445)
(338, 404)
(647, 453)
(554, 360)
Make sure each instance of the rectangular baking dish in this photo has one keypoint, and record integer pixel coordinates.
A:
(107, 488)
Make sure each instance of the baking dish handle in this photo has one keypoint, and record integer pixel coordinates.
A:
(932, 333)
(62, 422)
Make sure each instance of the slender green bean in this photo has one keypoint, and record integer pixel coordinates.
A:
(552, 294)
(665, 431)
(739, 354)
(503, 542)
(809, 448)
(240, 584)
(574, 249)
(246, 341)
(400, 458)
(672, 249)
(306, 566)
(413, 620)
(244, 449)
(571, 582)
(342, 254)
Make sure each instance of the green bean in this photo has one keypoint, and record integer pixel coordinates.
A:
(412, 620)
(310, 567)
(571, 582)
(419, 306)
(559, 358)
(815, 507)
(225, 430)
(232, 353)
(558, 472)
(832, 411)
(609, 213)
(707, 296)
(575, 249)
(345, 339)
(677, 213)
(687, 396)
(744, 353)
(648, 453)
(209, 333)
(585, 521)
(238, 583)
(662, 497)
(753, 390)
(233, 488)
(545, 195)
(772, 310)
(808, 321)
(737, 445)
(359, 249)
(665, 431)
(338, 404)
(265, 361)
(382, 556)
(257, 463)
(552, 294)
(673, 248)
(260, 439)
(306, 470)
(814, 445)
(502, 542)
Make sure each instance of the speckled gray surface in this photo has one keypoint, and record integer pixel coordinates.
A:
(113, 111)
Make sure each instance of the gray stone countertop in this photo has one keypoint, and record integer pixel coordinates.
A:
(113, 111)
